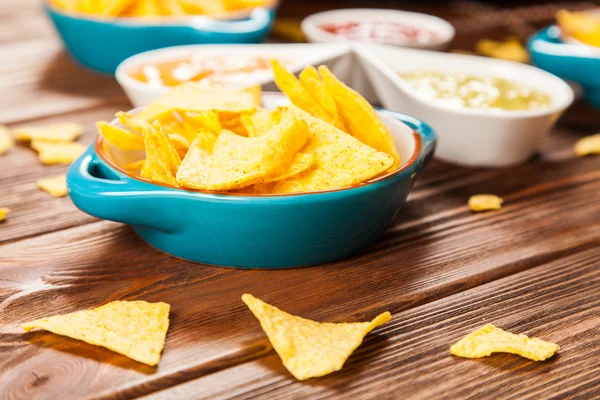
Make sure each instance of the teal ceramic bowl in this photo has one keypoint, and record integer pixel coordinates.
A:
(257, 231)
(103, 43)
(575, 62)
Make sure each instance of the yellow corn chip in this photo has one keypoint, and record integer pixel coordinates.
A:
(120, 137)
(300, 163)
(311, 80)
(135, 166)
(204, 119)
(489, 339)
(56, 186)
(234, 125)
(297, 93)
(587, 145)
(263, 121)
(511, 49)
(307, 348)
(136, 329)
(339, 160)
(6, 141)
(172, 7)
(114, 7)
(193, 172)
(63, 132)
(485, 202)
(194, 97)
(146, 8)
(4, 212)
(57, 152)
(246, 121)
(359, 117)
(582, 26)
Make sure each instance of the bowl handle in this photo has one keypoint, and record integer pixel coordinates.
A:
(258, 20)
(107, 195)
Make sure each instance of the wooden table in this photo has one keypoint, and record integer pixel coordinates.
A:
(442, 271)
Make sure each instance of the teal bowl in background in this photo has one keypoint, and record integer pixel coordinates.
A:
(102, 44)
(253, 231)
(578, 63)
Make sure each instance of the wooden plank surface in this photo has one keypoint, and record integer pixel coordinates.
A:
(532, 267)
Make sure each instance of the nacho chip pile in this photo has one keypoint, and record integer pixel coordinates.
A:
(136, 329)
(489, 339)
(307, 348)
(156, 8)
(222, 140)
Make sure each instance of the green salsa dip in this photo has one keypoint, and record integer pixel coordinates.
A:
(467, 91)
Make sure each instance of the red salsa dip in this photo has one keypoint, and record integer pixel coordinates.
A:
(382, 31)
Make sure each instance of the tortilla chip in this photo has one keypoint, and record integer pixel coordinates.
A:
(3, 213)
(135, 166)
(204, 119)
(238, 161)
(62, 132)
(114, 7)
(136, 329)
(195, 97)
(511, 49)
(193, 172)
(120, 137)
(57, 152)
(489, 339)
(339, 160)
(307, 348)
(300, 163)
(56, 186)
(311, 80)
(587, 145)
(359, 117)
(6, 141)
(297, 93)
(264, 120)
(485, 202)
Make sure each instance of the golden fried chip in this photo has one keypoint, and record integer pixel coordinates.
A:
(587, 145)
(485, 202)
(489, 339)
(297, 93)
(307, 348)
(120, 137)
(135, 166)
(264, 120)
(113, 7)
(582, 26)
(193, 172)
(246, 121)
(6, 141)
(4, 212)
(511, 49)
(63, 132)
(238, 161)
(57, 152)
(311, 80)
(359, 117)
(204, 119)
(339, 160)
(195, 97)
(136, 329)
(56, 186)
(145, 8)
(300, 163)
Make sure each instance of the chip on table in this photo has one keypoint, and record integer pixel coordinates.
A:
(136, 329)
(308, 348)
(490, 339)
(4, 211)
(6, 141)
(55, 186)
(485, 202)
(587, 146)
(59, 132)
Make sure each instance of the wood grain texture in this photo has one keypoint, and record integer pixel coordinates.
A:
(441, 270)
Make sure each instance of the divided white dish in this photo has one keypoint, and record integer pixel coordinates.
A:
(467, 136)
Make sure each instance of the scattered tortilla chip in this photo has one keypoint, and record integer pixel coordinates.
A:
(485, 202)
(56, 186)
(307, 348)
(297, 93)
(311, 80)
(359, 117)
(62, 132)
(339, 159)
(195, 97)
(6, 141)
(136, 329)
(238, 161)
(57, 152)
(511, 49)
(489, 339)
(120, 137)
(587, 145)
(3, 213)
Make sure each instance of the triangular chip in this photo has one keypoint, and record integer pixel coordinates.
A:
(204, 119)
(311, 80)
(359, 116)
(307, 348)
(489, 339)
(62, 132)
(136, 329)
(195, 97)
(4, 212)
(263, 121)
(120, 137)
(587, 145)
(6, 141)
(339, 160)
(485, 202)
(56, 186)
(193, 172)
(57, 152)
(300, 163)
(135, 165)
